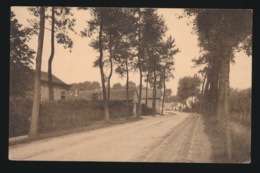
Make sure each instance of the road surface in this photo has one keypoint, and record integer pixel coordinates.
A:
(174, 137)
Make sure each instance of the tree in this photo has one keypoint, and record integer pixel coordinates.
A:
(36, 98)
(97, 23)
(220, 32)
(59, 24)
(167, 52)
(188, 87)
(126, 47)
(168, 95)
(95, 85)
(240, 103)
(153, 32)
(131, 85)
(87, 85)
(21, 56)
(114, 31)
(117, 86)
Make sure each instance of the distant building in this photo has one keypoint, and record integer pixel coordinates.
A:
(115, 95)
(149, 97)
(120, 95)
(60, 88)
(173, 106)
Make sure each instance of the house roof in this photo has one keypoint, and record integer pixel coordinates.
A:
(120, 94)
(55, 80)
(150, 93)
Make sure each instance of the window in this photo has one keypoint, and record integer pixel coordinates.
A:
(63, 95)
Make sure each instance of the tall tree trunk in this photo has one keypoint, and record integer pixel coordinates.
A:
(140, 92)
(213, 78)
(139, 108)
(146, 89)
(202, 93)
(37, 78)
(164, 88)
(206, 96)
(223, 111)
(110, 74)
(105, 101)
(51, 93)
(154, 91)
(127, 87)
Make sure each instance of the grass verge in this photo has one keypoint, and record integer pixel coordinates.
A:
(240, 136)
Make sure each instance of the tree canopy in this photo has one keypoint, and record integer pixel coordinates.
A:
(188, 87)
(21, 56)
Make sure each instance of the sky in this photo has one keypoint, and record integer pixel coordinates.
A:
(77, 66)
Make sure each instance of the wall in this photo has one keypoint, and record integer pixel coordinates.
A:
(150, 103)
(58, 92)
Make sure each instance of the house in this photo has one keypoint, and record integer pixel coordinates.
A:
(149, 96)
(171, 106)
(167, 106)
(60, 88)
(175, 106)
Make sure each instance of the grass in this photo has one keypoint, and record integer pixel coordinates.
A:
(240, 136)
(90, 126)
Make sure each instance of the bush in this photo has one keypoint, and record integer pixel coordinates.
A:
(19, 115)
(119, 109)
(59, 115)
(240, 106)
(147, 111)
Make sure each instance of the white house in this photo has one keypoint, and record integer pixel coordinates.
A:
(60, 88)
(149, 96)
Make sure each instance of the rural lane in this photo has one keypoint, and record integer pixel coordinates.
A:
(174, 137)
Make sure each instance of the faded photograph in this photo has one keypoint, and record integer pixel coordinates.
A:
(110, 84)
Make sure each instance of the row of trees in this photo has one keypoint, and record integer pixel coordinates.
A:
(188, 87)
(131, 39)
(88, 86)
(127, 39)
(220, 34)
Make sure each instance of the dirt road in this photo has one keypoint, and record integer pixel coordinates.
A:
(175, 137)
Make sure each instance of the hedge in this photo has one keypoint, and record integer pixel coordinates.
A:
(58, 115)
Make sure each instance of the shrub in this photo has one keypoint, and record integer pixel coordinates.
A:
(119, 109)
(19, 115)
(147, 111)
(59, 115)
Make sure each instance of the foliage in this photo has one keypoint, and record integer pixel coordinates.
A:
(220, 33)
(131, 85)
(87, 85)
(19, 116)
(188, 87)
(60, 115)
(63, 23)
(241, 141)
(147, 111)
(240, 105)
(117, 86)
(173, 98)
(21, 57)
